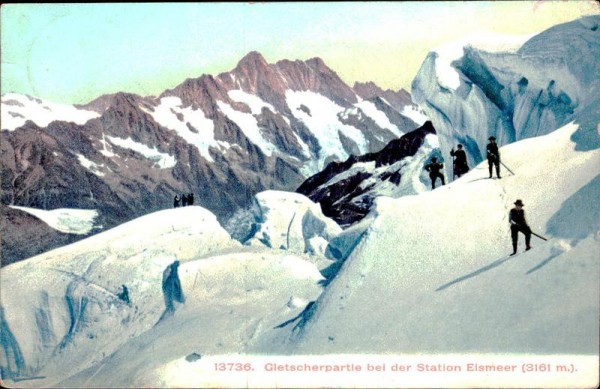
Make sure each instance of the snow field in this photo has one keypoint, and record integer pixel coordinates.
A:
(163, 160)
(249, 125)
(167, 113)
(324, 124)
(255, 103)
(91, 165)
(378, 116)
(415, 114)
(69, 221)
(16, 109)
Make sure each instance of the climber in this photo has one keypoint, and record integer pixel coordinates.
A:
(493, 156)
(516, 218)
(124, 294)
(460, 165)
(434, 172)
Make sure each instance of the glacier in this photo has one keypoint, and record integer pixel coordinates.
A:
(473, 89)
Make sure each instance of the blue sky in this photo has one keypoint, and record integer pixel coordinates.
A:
(76, 52)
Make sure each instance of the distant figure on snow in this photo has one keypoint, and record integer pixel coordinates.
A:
(184, 200)
(434, 172)
(516, 217)
(493, 156)
(460, 165)
(124, 294)
(191, 199)
(176, 201)
(171, 287)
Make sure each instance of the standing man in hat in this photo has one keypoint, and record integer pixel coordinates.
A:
(516, 217)
(493, 156)
(434, 172)
(460, 161)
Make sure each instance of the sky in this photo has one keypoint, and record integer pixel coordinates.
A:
(73, 53)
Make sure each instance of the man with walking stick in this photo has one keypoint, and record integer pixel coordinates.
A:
(517, 221)
(493, 156)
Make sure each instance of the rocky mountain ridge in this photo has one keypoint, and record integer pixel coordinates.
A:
(226, 137)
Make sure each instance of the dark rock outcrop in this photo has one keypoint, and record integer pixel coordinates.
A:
(336, 199)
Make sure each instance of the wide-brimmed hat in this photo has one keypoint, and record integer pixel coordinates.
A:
(492, 138)
(519, 202)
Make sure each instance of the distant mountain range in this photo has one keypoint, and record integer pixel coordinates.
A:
(224, 138)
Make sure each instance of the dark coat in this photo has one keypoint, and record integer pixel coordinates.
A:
(493, 152)
(460, 161)
(517, 217)
(434, 168)
(124, 295)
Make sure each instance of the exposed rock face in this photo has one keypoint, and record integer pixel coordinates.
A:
(398, 100)
(346, 189)
(224, 138)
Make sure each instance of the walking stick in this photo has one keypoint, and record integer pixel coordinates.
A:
(453, 171)
(532, 233)
(506, 167)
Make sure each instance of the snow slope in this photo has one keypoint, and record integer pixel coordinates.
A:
(69, 221)
(432, 273)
